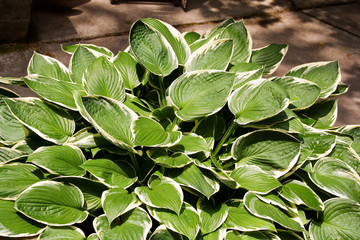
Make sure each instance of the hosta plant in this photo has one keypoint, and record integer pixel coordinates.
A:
(180, 136)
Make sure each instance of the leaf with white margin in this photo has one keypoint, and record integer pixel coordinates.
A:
(340, 220)
(8, 154)
(270, 56)
(253, 236)
(336, 177)
(214, 55)
(287, 234)
(324, 113)
(10, 128)
(195, 178)
(218, 234)
(274, 199)
(346, 154)
(96, 50)
(211, 128)
(300, 193)
(152, 49)
(47, 66)
(62, 160)
(191, 37)
(325, 74)
(93, 236)
(13, 224)
(162, 233)
(186, 223)
(135, 224)
(80, 60)
(161, 157)
(275, 152)
(65, 233)
(257, 100)
(191, 143)
(112, 119)
(212, 217)
(103, 79)
(303, 93)
(111, 173)
(61, 93)
(162, 193)
(127, 66)
(15, 178)
(240, 219)
(245, 72)
(52, 203)
(354, 131)
(173, 36)
(48, 121)
(199, 94)
(87, 137)
(252, 178)
(271, 212)
(118, 201)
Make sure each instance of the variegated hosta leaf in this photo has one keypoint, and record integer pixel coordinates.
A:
(303, 93)
(127, 66)
(252, 178)
(118, 201)
(212, 217)
(49, 67)
(111, 173)
(340, 220)
(112, 119)
(336, 177)
(48, 121)
(192, 177)
(13, 224)
(273, 151)
(190, 144)
(257, 100)
(214, 55)
(10, 128)
(325, 74)
(218, 234)
(62, 160)
(270, 56)
(211, 128)
(241, 41)
(271, 212)
(15, 178)
(245, 72)
(200, 93)
(61, 93)
(186, 223)
(152, 49)
(135, 104)
(354, 131)
(96, 50)
(80, 60)
(173, 36)
(324, 113)
(346, 154)
(161, 157)
(101, 78)
(136, 224)
(87, 138)
(162, 233)
(299, 193)
(274, 199)
(68, 232)
(9, 154)
(191, 37)
(52, 203)
(252, 236)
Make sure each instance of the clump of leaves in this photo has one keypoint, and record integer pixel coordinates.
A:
(181, 136)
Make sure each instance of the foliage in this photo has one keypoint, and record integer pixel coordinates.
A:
(181, 136)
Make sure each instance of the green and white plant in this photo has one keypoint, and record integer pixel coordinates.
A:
(181, 136)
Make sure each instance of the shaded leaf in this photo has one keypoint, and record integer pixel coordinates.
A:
(270, 56)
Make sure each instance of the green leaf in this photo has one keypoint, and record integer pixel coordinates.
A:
(87, 138)
(8, 154)
(214, 55)
(270, 56)
(112, 119)
(127, 66)
(191, 37)
(61, 93)
(113, 174)
(354, 131)
(303, 93)
(256, 235)
(79, 62)
(252, 178)
(96, 50)
(152, 49)
(173, 36)
(211, 128)
(15, 178)
(340, 220)
(336, 177)
(48, 121)
(62, 160)
(299, 193)
(118, 201)
(240, 219)
(190, 144)
(134, 225)
(13, 224)
(49, 67)
(275, 152)
(324, 113)
(135, 104)
(162, 193)
(186, 223)
(271, 212)
(10, 128)
(287, 234)
(257, 100)
(162, 233)
(65, 233)
(101, 78)
(200, 93)
(212, 217)
(341, 88)
(346, 154)
(176, 160)
(274, 199)
(218, 234)
(52, 203)
(193, 177)
(245, 72)
(325, 74)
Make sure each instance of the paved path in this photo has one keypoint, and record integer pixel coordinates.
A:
(315, 30)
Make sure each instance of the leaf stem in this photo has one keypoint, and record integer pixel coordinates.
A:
(174, 123)
(134, 161)
(162, 91)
